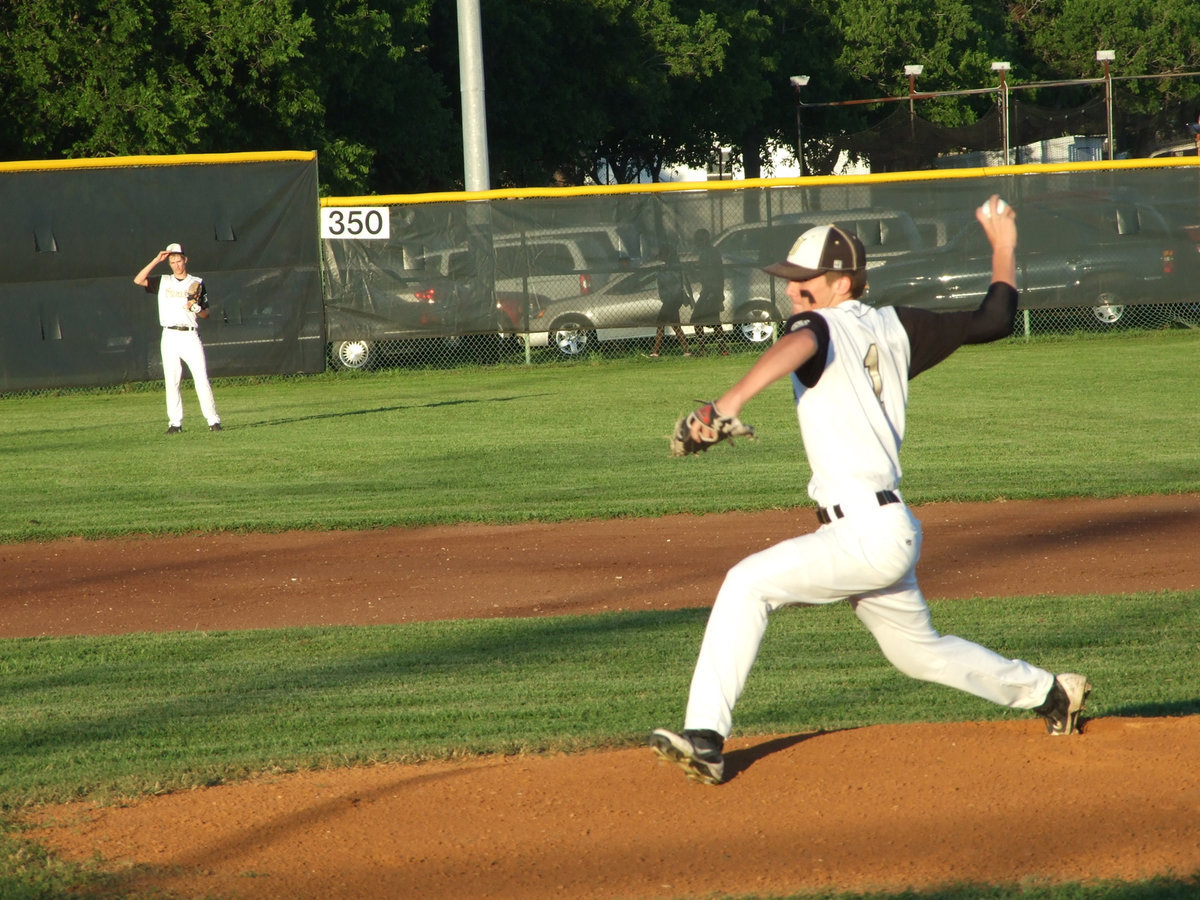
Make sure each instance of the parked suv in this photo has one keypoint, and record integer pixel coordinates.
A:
(1081, 250)
(442, 296)
(745, 249)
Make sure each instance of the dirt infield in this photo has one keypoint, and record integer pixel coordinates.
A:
(885, 807)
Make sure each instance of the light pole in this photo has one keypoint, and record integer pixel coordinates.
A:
(799, 81)
(1107, 56)
(912, 72)
(1002, 68)
(476, 174)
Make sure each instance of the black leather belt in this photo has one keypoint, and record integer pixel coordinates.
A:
(180, 327)
(825, 516)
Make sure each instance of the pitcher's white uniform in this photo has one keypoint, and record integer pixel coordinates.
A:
(181, 344)
(850, 401)
(850, 365)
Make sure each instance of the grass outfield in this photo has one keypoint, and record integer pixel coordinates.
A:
(1086, 417)
(112, 717)
(130, 714)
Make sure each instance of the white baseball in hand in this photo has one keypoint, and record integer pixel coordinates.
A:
(987, 211)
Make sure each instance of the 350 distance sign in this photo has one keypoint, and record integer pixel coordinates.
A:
(355, 222)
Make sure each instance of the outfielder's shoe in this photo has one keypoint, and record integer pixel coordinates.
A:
(698, 753)
(1064, 703)
(174, 429)
(215, 426)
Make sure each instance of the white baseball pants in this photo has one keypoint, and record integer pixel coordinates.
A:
(179, 347)
(869, 557)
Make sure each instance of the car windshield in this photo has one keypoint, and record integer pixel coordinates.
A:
(637, 282)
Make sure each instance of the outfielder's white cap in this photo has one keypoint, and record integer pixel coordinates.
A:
(825, 248)
(174, 248)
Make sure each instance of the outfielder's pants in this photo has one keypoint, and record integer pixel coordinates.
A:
(179, 347)
(869, 558)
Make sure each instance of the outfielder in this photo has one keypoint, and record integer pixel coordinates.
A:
(182, 301)
(850, 365)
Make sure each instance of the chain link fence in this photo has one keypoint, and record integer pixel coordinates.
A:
(564, 277)
(747, 340)
(672, 271)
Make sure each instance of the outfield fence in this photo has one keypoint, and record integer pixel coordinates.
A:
(557, 274)
(440, 279)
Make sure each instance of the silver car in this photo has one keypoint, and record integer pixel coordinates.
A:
(626, 308)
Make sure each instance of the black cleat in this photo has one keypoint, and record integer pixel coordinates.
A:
(1064, 703)
(698, 753)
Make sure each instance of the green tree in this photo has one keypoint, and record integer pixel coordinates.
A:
(953, 40)
(580, 89)
(746, 104)
(577, 90)
(682, 51)
(388, 122)
(130, 76)
(345, 77)
(1149, 37)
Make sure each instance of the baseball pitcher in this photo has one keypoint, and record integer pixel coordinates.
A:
(849, 365)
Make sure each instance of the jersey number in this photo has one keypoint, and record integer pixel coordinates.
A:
(871, 364)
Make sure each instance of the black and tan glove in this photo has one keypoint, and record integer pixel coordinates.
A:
(699, 430)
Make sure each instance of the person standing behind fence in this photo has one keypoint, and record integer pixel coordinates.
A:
(675, 293)
(180, 306)
(711, 302)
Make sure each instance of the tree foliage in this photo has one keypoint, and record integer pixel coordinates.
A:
(130, 76)
(576, 90)
(1150, 38)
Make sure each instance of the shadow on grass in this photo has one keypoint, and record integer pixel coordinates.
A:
(382, 409)
(1157, 711)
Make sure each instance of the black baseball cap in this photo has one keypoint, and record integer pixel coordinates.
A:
(825, 248)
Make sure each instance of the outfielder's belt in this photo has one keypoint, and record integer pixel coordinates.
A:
(826, 515)
(180, 327)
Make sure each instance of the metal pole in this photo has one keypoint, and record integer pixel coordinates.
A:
(799, 137)
(1105, 57)
(1002, 68)
(1004, 94)
(1108, 97)
(476, 176)
(799, 81)
(912, 71)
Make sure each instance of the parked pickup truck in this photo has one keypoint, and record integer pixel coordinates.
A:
(1077, 250)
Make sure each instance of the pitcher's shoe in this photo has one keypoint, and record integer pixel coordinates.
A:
(1064, 703)
(698, 753)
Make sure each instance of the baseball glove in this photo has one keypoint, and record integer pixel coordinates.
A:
(197, 299)
(699, 430)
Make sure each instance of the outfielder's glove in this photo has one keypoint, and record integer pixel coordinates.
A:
(197, 301)
(699, 430)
